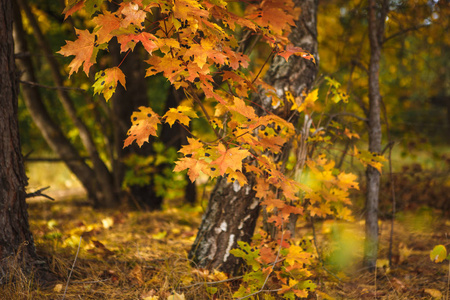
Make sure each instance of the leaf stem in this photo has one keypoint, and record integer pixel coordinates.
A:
(197, 99)
(262, 67)
(123, 59)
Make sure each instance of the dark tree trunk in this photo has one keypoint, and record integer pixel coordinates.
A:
(176, 136)
(16, 241)
(51, 131)
(105, 187)
(376, 31)
(124, 103)
(232, 211)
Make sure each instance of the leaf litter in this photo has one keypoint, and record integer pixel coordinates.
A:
(143, 255)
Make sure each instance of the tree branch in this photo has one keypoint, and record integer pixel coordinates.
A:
(394, 35)
(39, 193)
(51, 87)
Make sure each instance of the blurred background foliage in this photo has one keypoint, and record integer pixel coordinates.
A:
(414, 78)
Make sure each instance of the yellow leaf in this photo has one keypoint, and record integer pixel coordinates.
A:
(382, 263)
(434, 293)
(106, 81)
(350, 134)
(160, 235)
(58, 288)
(297, 254)
(107, 222)
(182, 114)
(176, 296)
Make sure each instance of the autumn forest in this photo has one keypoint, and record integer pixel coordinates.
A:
(222, 149)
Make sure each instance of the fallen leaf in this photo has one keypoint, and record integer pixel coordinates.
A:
(176, 296)
(433, 293)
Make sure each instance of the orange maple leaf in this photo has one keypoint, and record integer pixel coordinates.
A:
(193, 165)
(133, 15)
(73, 7)
(128, 41)
(272, 203)
(145, 122)
(230, 158)
(106, 23)
(83, 49)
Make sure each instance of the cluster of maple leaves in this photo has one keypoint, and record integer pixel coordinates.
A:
(193, 44)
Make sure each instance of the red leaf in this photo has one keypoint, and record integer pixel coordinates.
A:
(292, 50)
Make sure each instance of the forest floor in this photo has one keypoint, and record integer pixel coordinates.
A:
(143, 255)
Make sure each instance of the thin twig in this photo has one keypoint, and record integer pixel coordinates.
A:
(262, 67)
(39, 193)
(211, 282)
(205, 112)
(52, 87)
(71, 270)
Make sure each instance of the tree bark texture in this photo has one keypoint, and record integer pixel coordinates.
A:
(124, 103)
(49, 129)
(16, 242)
(232, 211)
(376, 31)
(105, 193)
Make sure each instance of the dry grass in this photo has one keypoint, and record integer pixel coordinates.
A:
(138, 255)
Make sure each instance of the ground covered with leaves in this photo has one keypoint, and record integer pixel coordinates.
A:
(143, 255)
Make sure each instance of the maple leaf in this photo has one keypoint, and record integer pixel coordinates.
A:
(185, 9)
(347, 180)
(292, 50)
(367, 158)
(193, 165)
(106, 81)
(83, 49)
(170, 66)
(193, 147)
(72, 7)
(145, 122)
(236, 175)
(242, 108)
(182, 113)
(297, 255)
(262, 188)
(272, 203)
(230, 158)
(133, 15)
(92, 6)
(128, 41)
(208, 89)
(106, 23)
(200, 53)
(351, 134)
(307, 103)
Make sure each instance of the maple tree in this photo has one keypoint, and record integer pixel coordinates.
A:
(200, 55)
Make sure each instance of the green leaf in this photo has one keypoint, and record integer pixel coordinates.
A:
(438, 254)
(248, 254)
(211, 290)
(92, 6)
